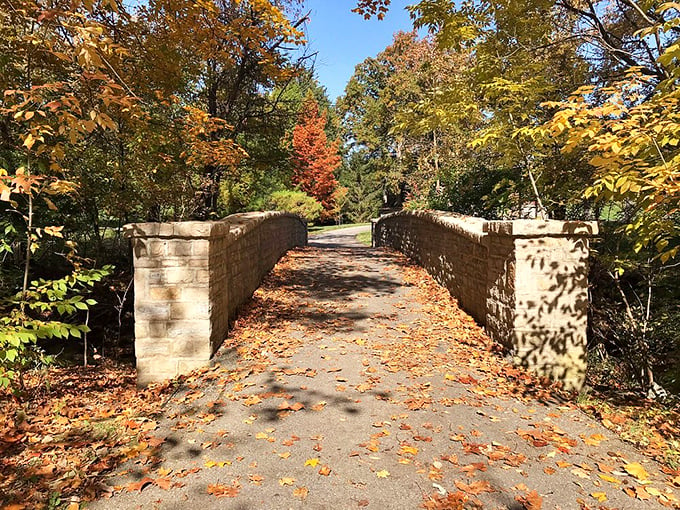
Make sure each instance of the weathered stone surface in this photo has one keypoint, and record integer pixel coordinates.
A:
(191, 277)
(526, 281)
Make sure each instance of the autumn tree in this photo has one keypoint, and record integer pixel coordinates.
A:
(111, 116)
(314, 158)
(381, 97)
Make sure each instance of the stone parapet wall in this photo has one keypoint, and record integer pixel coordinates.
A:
(191, 277)
(526, 281)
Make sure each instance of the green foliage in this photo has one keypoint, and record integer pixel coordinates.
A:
(47, 309)
(364, 188)
(296, 202)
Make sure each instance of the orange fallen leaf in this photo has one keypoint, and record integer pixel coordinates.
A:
(225, 491)
(325, 470)
(163, 483)
(412, 450)
(301, 493)
(286, 481)
(605, 468)
(641, 494)
(255, 479)
(474, 488)
(140, 485)
(532, 501)
(319, 406)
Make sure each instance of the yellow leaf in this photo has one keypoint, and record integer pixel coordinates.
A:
(382, 474)
(610, 479)
(600, 496)
(312, 462)
(54, 231)
(635, 469)
(261, 435)
(286, 481)
(29, 141)
(409, 449)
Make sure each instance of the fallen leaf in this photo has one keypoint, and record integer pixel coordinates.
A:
(532, 501)
(286, 481)
(225, 491)
(610, 479)
(382, 474)
(635, 469)
(301, 493)
(412, 450)
(255, 479)
(163, 483)
(475, 488)
(641, 494)
(325, 470)
(599, 496)
(311, 462)
(140, 485)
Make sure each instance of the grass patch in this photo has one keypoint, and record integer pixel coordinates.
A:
(365, 238)
(319, 230)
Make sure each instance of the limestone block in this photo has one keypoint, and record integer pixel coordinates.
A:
(152, 348)
(191, 328)
(176, 275)
(194, 310)
(152, 311)
(165, 293)
(192, 347)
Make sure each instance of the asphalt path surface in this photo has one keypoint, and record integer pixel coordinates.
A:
(353, 381)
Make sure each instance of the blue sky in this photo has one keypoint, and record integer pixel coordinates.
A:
(343, 39)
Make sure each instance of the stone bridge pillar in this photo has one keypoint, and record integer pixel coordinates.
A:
(190, 278)
(537, 294)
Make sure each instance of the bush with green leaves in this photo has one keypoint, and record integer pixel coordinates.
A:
(47, 309)
(296, 202)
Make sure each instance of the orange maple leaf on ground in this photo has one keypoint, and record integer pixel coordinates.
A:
(225, 491)
(140, 485)
(474, 488)
(532, 501)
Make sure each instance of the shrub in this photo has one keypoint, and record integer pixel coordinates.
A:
(296, 202)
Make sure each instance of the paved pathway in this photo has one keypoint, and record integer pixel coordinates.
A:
(352, 381)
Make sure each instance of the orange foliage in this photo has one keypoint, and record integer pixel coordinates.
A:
(314, 159)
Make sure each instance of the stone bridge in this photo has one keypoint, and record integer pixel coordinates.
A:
(524, 280)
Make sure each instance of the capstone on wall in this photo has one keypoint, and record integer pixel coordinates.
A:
(191, 277)
(526, 281)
